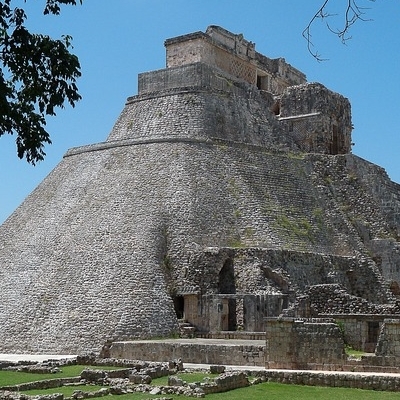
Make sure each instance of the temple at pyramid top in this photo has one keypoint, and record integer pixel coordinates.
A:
(216, 86)
(234, 55)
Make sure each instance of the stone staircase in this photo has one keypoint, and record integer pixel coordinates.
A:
(186, 329)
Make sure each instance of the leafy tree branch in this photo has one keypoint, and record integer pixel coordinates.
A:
(37, 75)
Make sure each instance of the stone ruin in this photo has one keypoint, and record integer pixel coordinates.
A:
(225, 193)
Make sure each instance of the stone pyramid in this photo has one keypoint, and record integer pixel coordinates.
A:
(225, 192)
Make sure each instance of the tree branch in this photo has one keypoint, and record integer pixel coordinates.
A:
(352, 13)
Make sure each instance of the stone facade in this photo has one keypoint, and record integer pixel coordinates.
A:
(234, 55)
(302, 344)
(360, 331)
(319, 344)
(389, 339)
(227, 184)
(320, 122)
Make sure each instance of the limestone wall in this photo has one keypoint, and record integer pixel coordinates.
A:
(225, 382)
(389, 339)
(197, 75)
(318, 119)
(199, 114)
(360, 331)
(200, 48)
(356, 381)
(335, 299)
(191, 351)
(297, 344)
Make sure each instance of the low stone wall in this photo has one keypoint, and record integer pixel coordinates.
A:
(44, 384)
(190, 351)
(317, 344)
(356, 381)
(238, 335)
(298, 344)
(5, 395)
(225, 382)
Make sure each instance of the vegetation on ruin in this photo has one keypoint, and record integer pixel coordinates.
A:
(354, 353)
(298, 228)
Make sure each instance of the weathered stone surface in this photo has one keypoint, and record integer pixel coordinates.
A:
(217, 369)
(238, 352)
(359, 381)
(174, 381)
(297, 344)
(225, 382)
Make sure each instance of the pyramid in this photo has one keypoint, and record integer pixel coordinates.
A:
(225, 192)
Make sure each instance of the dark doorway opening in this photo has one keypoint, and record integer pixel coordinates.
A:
(179, 306)
(232, 318)
(227, 285)
(373, 332)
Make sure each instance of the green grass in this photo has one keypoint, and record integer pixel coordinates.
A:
(354, 353)
(11, 378)
(262, 391)
(65, 390)
(278, 391)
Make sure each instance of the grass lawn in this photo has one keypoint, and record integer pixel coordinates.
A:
(278, 391)
(261, 391)
(10, 378)
(65, 390)
(354, 353)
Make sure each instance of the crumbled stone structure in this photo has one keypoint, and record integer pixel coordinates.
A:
(298, 344)
(226, 192)
(318, 344)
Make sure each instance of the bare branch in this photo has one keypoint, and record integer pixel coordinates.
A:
(353, 13)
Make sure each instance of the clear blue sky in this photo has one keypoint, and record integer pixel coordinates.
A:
(115, 40)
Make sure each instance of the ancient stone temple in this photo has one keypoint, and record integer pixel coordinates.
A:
(225, 193)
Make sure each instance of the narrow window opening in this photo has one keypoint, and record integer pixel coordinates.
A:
(232, 317)
(276, 108)
(335, 141)
(259, 82)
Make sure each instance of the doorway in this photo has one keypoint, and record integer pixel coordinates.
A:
(227, 285)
